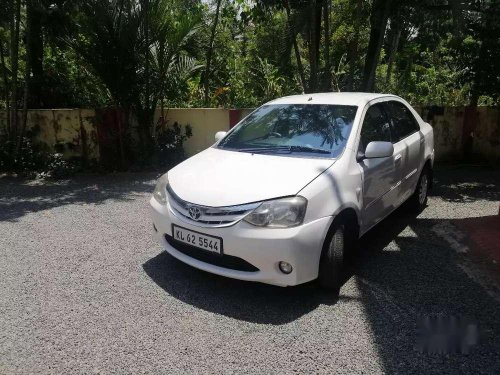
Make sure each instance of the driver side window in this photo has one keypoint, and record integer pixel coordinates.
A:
(375, 127)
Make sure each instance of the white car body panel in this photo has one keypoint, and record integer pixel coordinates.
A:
(370, 188)
(237, 174)
(261, 248)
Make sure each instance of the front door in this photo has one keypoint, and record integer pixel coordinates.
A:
(381, 176)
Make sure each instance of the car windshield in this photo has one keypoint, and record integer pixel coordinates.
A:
(318, 130)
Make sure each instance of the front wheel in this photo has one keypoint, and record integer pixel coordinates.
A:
(332, 259)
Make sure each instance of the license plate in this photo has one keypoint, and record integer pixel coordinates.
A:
(200, 240)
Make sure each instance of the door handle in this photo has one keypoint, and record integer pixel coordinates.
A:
(422, 140)
(397, 158)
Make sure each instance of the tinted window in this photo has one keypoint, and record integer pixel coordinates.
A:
(403, 122)
(375, 126)
(297, 126)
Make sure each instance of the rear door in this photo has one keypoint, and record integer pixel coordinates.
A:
(381, 176)
(407, 136)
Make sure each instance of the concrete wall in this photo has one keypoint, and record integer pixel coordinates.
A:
(64, 127)
(72, 130)
(460, 132)
(486, 134)
(205, 123)
(464, 132)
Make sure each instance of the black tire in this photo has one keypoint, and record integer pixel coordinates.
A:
(418, 201)
(331, 267)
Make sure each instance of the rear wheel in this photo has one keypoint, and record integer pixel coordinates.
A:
(332, 259)
(418, 200)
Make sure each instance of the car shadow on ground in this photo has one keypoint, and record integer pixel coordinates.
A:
(462, 184)
(256, 302)
(19, 197)
(247, 301)
(403, 272)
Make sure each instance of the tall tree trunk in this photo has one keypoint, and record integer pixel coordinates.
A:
(83, 140)
(314, 42)
(120, 135)
(14, 58)
(486, 65)
(27, 75)
(210, 52)
(353, 48)
(6, 84)
(149, 109)
(34, 42)
(457, 14)
(394, 44)
(326, 26)
(296, 50)
(244, 41)
(146, 51)
(378, 21)
(161, 66)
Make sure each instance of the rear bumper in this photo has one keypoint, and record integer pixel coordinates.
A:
(263, 248)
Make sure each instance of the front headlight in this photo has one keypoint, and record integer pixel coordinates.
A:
(279, 213)
(160, 192)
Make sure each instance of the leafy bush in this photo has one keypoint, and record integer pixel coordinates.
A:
(34, 159)
(169, 143)
(28, 157)
(57, 167)
(37, 159)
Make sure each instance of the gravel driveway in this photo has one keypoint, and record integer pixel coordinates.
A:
(85, 289)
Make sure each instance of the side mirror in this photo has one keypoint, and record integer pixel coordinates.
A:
(378, 149)
(219, 136)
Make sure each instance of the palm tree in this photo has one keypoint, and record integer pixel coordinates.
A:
(138, 50)
(168, 51)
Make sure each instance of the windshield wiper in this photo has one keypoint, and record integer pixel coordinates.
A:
(309, 149)
(291, 148)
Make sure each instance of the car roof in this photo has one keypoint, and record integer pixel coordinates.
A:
(340, 98)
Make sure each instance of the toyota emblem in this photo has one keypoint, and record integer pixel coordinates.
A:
(194, 212)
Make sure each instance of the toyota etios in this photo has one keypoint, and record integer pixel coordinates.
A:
(281, 197)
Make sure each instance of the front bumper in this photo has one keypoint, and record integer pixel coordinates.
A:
(263, 248)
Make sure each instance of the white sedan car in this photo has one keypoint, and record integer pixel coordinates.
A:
(281, 197)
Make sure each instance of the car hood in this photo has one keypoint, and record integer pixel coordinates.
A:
(217, 178)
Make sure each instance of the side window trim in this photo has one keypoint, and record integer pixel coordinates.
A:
(387, 111)
(360, 127)
(391, 122)
(381, 105)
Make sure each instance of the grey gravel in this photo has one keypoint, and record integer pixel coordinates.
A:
(85, 289)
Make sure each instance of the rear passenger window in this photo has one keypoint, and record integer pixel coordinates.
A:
(375, 126)
(403, 122)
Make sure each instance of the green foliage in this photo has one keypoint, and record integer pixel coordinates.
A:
(57, 167)
(170, 140)
(140, 54)
(431, 79)
(68, 83)
(143, 54)
(250, 84)
(35, 159)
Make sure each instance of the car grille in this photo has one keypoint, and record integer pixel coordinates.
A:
(224, 261)
(208, 216)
